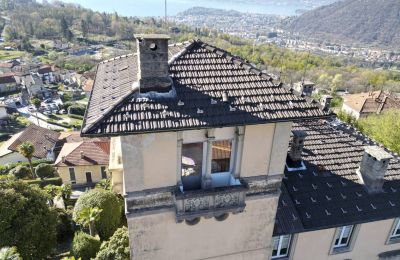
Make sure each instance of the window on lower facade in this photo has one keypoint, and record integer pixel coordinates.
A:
(192, 165)
(103, 172)
(395, 234)
(72, 175)
(281, 246)
(342, 237)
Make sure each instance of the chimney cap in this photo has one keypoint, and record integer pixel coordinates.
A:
(152, 36)
(378, 153)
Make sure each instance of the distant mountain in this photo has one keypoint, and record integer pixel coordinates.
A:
(367, 22)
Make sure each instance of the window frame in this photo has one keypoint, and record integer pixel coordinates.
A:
(393, 238)
(341, 236)
(91, 177)
(278, 256)
(103, 169)
(337, 249)
(73, 181)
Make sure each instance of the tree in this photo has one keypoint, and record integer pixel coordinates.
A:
(64, 225)
(20, 172)
(27, 150)
(384, 128)
(116, 248)
(9, 253)
(104, 184)
(87, 217)
(85, 246)
(26, 220)
(36, 103)
(45, 170)
(108, 202)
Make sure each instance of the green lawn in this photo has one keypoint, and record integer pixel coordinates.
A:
(8, 55)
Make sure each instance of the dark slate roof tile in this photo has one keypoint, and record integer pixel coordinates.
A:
(328, 193)
(200, 72)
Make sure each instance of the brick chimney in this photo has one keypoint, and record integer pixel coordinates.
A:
(294, 159)
(373, 168)
(326, 101)
(153, 68)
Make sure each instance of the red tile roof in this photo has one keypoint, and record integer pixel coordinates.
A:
(84, 153)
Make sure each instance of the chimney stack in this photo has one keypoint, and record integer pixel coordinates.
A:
(373, 168)
(63, 159)
(294, 160)
(153, 68)
(82, 155)
(326, 101)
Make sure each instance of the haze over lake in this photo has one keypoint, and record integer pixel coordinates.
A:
(156, 7)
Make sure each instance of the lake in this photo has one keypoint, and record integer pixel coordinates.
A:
(156, 7)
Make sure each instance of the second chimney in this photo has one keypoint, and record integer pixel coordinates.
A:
(373, 168)
(294, 160)
(326, 101)
(153, 68)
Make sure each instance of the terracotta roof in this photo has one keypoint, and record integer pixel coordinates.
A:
(75, 137)
(46, 69)
(329, 193)
(202, 74)
(88, 86)
(371, 102)
(7, 78)
(94, 153)
(40, 137)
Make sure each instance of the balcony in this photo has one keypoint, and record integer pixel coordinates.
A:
(208, 203)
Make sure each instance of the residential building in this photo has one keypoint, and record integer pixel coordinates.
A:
(364, 104)
(8, 83)
(83, 163)
(3, 111)
(88, 86)
(46, 72)
(305, 87)
(44, 141)
(198, 146)
(341, 200)
(34, 86)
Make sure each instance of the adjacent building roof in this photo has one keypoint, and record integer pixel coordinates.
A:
(84, 153)
(88, 86)
(7, 78)
(329, 193)
(46, 69)
(371, 102)
(212, 88)
(40, 137)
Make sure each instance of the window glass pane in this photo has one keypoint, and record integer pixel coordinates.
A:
(396, 229)
(221, 156)
(192, 159)
(72, 174)
(337, 236)
(275, 246)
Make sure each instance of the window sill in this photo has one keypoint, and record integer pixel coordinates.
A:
(340, 250)
(280, 258)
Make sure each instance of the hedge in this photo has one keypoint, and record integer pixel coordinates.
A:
(4, 169)
(54, 181)
(84, 246)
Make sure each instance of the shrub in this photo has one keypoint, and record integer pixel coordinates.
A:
(55, 181)
(26, 220)
(21, 172)
(84, 246)
(76, 110)
(64, 225)
(9, 253)
(116, 248)
(110, 217)
(45, 171)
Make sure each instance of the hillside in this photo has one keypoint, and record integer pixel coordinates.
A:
(367, 22)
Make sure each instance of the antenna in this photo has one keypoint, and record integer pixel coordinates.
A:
(166, 19)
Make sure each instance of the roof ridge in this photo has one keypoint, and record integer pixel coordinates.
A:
(190, 43)
(118, 57)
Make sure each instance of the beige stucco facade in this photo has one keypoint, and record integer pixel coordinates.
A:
(367, 242)
(148, 162)
(80, 173)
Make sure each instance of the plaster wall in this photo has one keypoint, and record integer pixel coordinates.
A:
(80, 173)
(369, 241)
(245, 235)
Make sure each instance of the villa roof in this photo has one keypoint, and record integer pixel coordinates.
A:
(371, 102)
(329, 193)
(94, 153)
(40, 137)
(202, 75)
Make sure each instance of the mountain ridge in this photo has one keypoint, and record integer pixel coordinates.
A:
(365, 22)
